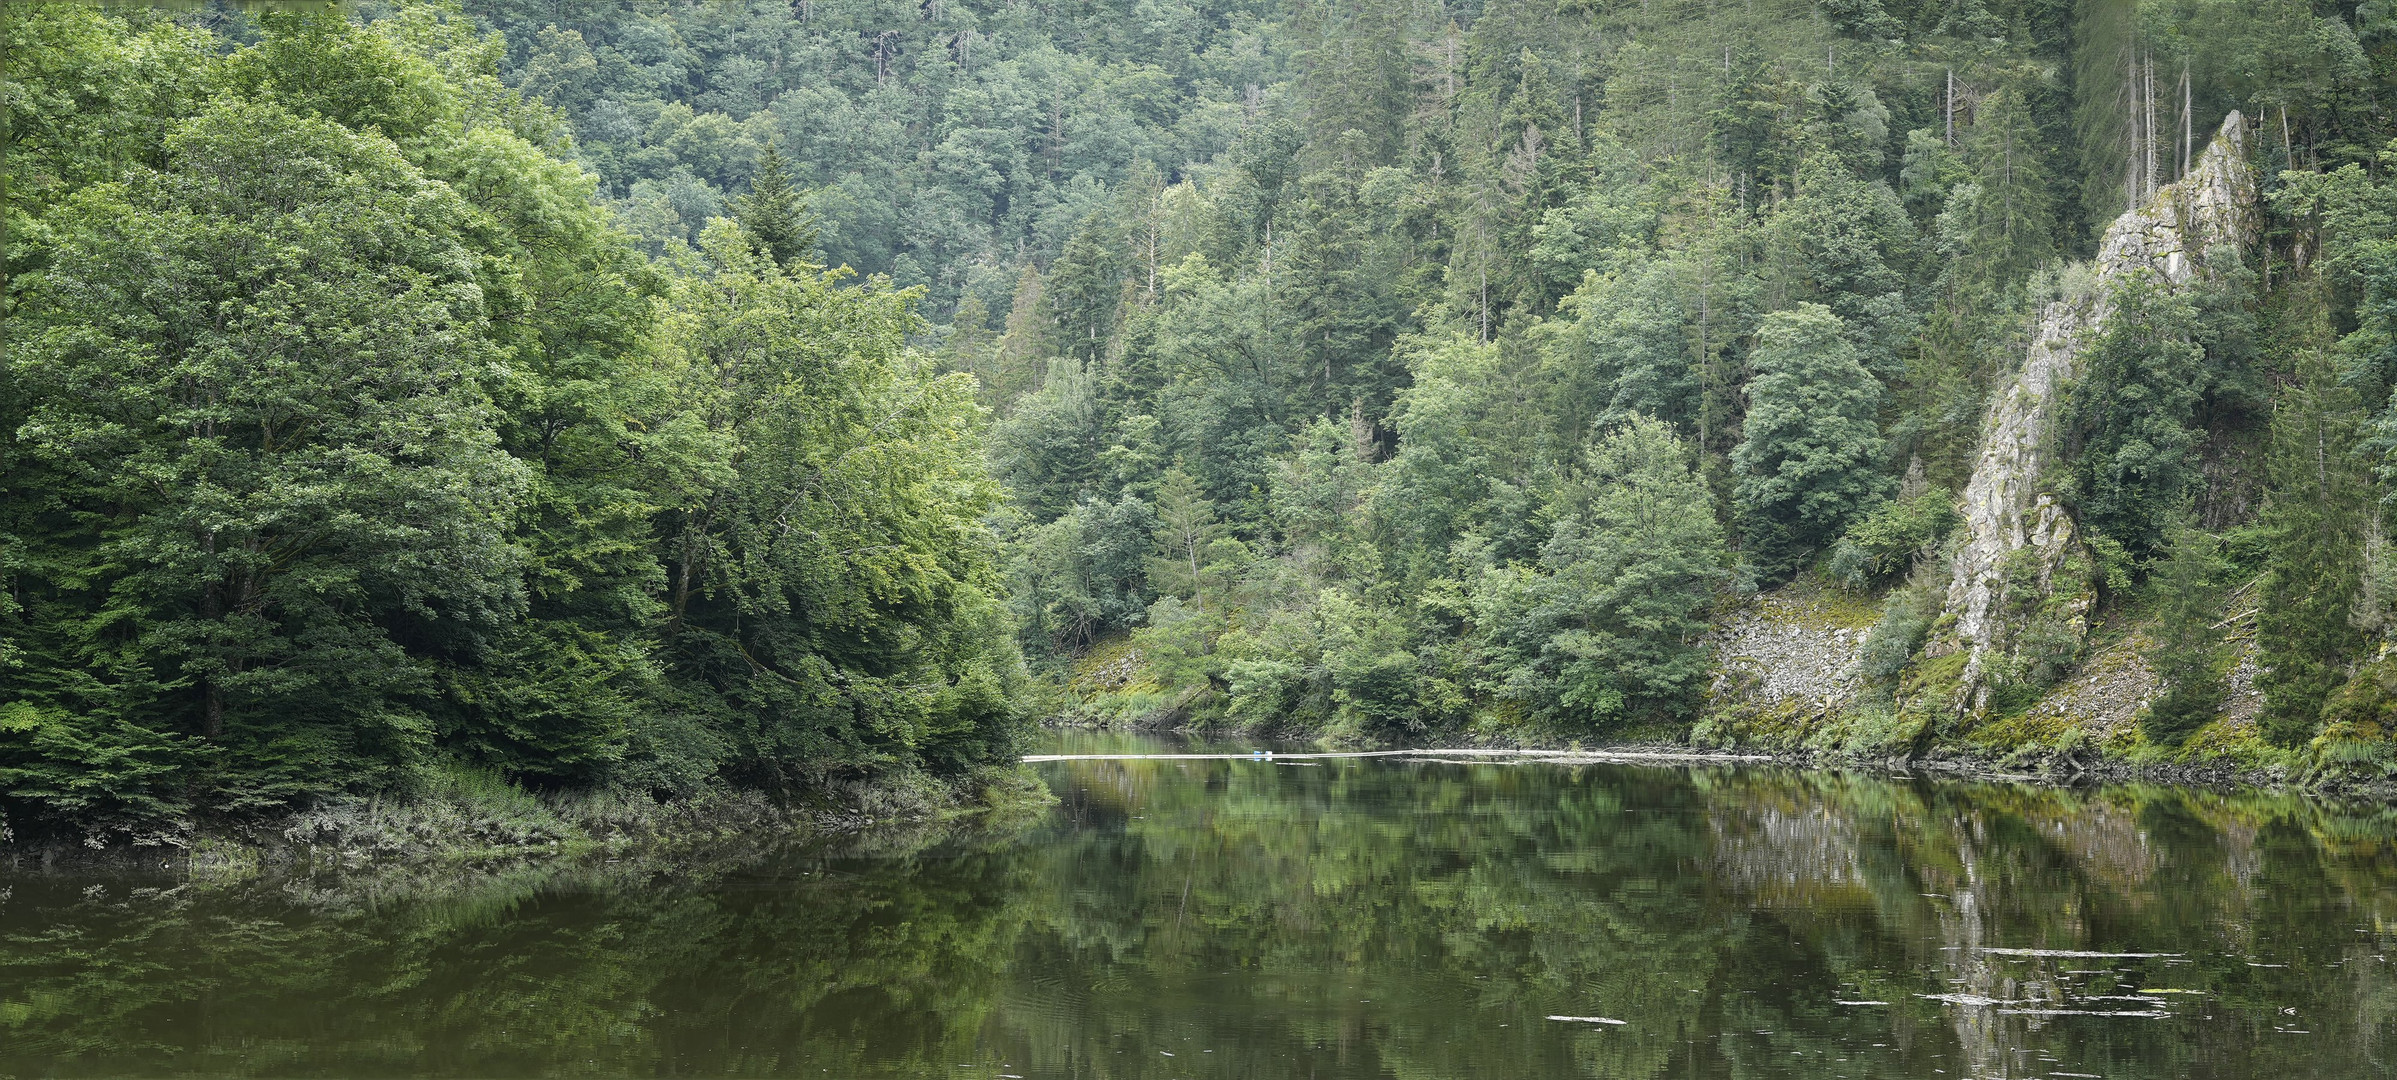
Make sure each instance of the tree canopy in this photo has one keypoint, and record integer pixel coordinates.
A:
(350, 439)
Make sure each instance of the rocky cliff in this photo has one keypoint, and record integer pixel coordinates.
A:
(2020, 554)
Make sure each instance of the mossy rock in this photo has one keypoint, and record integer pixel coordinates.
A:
(2357, 721)
(1933, 683)
(2365, 708)
(2018, 731)
(1757, 725)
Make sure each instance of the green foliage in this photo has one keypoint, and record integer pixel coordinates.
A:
(774, 214)
(1628, 345)
(1906, 617)
(1474, 455)
(102, 773)
(1191, 545)
(2136, 454)
(2315, 518)
(2188, 656)
(2358, 720)
(2046, 621)
(1809, 459)
(87, 97)
(831, 583)
(257, 371)
(1379, 332)
(2170, 364)
(1082, 576)
(347, 436)
(1846, 244)
(2325, 591)
(1049, 451)
(1893, 537)
(2112, 562)
(951, 148)
(391, 394)
(1082, 291)
(1606, 627)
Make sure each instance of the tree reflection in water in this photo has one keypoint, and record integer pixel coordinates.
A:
(1252, 919)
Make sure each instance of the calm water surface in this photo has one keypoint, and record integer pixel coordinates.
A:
(1348, 919)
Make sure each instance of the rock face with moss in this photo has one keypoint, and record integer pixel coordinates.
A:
(2019, 575)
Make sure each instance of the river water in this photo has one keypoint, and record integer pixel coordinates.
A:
(1252, 919)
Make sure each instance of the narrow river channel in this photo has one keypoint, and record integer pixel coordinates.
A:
(1330, 918)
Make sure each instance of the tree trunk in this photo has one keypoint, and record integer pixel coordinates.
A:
(2150, 81)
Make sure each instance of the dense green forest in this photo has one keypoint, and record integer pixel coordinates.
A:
(353, 444)
(644, 396)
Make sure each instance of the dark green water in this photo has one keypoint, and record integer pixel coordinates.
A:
(1350, 919)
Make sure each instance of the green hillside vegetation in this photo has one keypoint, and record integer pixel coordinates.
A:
(354, 445)
(655, 397)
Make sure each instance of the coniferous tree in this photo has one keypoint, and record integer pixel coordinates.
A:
(1187, 531)
(2315, 518)
(2187, 658)
(774, 214)
(1083, 291)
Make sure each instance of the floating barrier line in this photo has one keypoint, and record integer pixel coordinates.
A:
(1264, 755)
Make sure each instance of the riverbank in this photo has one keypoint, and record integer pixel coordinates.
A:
(469, 826)
(470, 823)
(1791, 683)
(2078, 766)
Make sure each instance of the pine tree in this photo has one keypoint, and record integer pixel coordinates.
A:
(2011, 221)
(2188, 651)
(1084, 291)
(2314, 518)
(1186, 529)
(1021, 361)
(774, 214)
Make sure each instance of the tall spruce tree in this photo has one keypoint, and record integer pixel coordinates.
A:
(2188, 587)
(774, 214)
(2315, 518)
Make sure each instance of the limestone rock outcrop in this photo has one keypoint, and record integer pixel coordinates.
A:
(2015, 534)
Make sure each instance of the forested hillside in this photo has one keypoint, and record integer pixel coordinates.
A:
(645, 396)
(1459, 366)
(355, 448)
